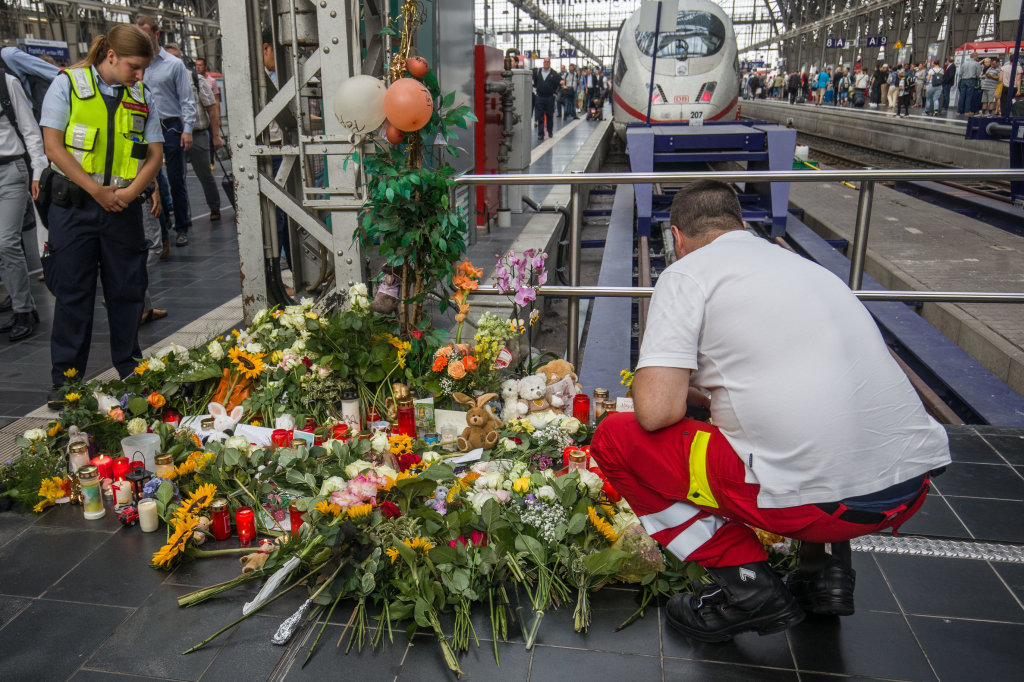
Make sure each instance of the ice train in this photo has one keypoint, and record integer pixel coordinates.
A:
(696, 71)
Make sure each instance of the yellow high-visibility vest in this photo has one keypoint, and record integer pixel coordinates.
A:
(110, 145)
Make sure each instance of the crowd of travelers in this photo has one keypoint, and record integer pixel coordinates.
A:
(981, 85)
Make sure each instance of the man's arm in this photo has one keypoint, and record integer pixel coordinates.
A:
(659, 396)
(183, 84)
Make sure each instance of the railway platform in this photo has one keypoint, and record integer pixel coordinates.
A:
(929, 140)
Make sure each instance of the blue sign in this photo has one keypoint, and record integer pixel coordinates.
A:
(567, 52)
(835, 43)
(57, 49)
(877, 41)
(752, 65)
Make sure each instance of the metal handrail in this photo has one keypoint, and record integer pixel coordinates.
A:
(867, 177)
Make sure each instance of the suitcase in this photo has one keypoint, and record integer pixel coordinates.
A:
(858, 100)
(228, 183)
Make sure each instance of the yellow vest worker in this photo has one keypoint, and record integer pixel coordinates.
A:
(104, 148)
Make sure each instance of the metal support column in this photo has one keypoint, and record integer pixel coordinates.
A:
(575, 224)
(860, 235)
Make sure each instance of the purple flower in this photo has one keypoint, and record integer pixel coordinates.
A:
(525, 295)
(441, 508)
(530, 498)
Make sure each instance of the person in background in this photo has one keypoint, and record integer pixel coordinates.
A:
(202, 70)
(970, 80)
(546, 85)
(175, 108)
(818, 434)
(990, 81)
(948, 80)
(861, 83)
(895, 76)
(95, 215)
(19, 135)
(921, 76)
(905, 90)
(205, 136)
(879, 85)
(821, 85)
(933, 92)
(559, 100)
(35, 74)
(570, 83)
(1008, 94)
(793, 87)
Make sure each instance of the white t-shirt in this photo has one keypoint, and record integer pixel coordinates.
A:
(802, 384)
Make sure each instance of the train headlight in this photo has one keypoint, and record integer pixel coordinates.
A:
(706, 91)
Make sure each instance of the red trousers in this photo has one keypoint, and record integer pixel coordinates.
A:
(686, 484)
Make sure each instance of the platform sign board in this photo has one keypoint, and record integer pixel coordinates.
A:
(877, 41)
(566, 52)
(649, 16)
(57, 49)
(835, 43)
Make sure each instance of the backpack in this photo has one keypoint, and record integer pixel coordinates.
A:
(37, 87)
(911, 80)
(28, 220)
(936, 79)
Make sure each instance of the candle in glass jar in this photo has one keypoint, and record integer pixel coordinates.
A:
(92, 500)
(294, 516)
(350, 409)
(245, 524)
(120, 468)
(220, 519)
(581, 407)
(122, 492)
(104, 465)
(148, 519)
(282, 438)
(78, 455)
(164, 464)
(340, 432)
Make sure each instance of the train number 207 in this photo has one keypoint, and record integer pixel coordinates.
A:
(696, 118)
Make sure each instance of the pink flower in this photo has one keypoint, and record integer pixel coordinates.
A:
(461, 540)
(279, 515)
(525, 295)
(502, 495)
(477, 538)
(345, 498)
(117, 414)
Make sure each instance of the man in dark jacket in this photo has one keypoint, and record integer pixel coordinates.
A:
(793, 86)
(948, 78)
(546, 83)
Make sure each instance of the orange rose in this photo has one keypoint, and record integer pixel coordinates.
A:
(439, 363)
(156, 400)
(456, 370)
(470, 362)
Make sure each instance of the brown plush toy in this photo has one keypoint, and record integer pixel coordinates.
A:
(556, 370)
(482, 430)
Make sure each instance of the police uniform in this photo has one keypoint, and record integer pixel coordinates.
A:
(107, 130)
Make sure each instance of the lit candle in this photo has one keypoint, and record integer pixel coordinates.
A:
(121, 467)
(148, 519)
(105, 465)
(78, 455)
(164, 464)
(245, 524)
(294, 516)
(92, 502)
(122, 492)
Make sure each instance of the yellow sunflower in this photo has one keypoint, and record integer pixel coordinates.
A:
(328, 509)
(400, 444)
(392, 553)
(55, 430)
(72, 397)
(250, 365)
(200, 498)
(602, 526)
(359, 511)
(418, 543)
(183, 529)
(71, 373)
(141, 368)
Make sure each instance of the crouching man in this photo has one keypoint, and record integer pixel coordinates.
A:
(818, 434)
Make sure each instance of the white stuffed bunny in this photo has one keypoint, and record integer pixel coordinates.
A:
(224, 423)
(513, 409)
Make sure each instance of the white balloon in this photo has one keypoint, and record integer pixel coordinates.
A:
(359, 104)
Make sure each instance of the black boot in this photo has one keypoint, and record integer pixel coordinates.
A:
(748, 597)
(826, 587)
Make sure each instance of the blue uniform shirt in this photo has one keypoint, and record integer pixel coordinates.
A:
(169, 81)
(22, 64)
(57, 105)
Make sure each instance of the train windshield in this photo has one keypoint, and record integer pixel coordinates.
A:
(697, 34)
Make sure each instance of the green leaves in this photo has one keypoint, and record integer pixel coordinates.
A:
(606, 563)
(138, 406)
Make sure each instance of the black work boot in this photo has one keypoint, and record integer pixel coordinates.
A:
(748, 597)
(825, 589)
(55, 399)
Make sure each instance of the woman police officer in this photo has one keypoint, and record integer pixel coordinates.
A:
(104, 149)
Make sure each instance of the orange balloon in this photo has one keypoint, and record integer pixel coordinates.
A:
(393, 134)
(408, 104)
(417, 66)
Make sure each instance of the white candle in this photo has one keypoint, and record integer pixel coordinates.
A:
(148, 520)
(79, 460)
(122, 492)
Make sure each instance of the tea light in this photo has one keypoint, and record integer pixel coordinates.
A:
(245, 524)
(206, 424)
(78, 455)
(172, 417)
(164, 464)
(105, 465)
(340, 432)
(122, 492)
(121, 467)
(148, 519)
(282, 438)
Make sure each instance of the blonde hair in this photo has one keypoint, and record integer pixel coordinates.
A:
(125, 40)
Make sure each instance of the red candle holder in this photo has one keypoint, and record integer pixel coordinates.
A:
(581, 407)
(294, 516)
(310, 424)
(220, 519)
(340, 432)
(121, 467)
(245, 524)
(171, 417)
(282, 438)
(105, 465)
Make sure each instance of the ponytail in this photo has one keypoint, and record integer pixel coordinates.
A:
(125, 40)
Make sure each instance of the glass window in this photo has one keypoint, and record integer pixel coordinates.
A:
(697, 34)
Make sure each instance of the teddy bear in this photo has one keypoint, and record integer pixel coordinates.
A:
(482, 429)
(513, 408)
(561, 383)
(532, 394)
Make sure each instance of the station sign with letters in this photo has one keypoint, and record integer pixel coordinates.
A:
(57, 49)
(835, 43)
(566, 52)
(877, 41)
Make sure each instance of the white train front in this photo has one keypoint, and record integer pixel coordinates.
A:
(696, 70)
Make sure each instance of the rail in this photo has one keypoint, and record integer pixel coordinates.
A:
(867, 177)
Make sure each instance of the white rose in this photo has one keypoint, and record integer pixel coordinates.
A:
(571, 425)
(590, 483)
(156, 365)
(354, 469)
(546, 492)
(284, 421)
(137, 426)
(254, 347)
(215, 349)
(332, 484)
(508, 444)
(492, 480)
(429, 457)
(624, 520)
(105, 403)
(358, 290)
(240, 443)
(384, 470)
(478, 499)
(379, 442)
(35, 434)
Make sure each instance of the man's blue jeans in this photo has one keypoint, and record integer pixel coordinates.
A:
(966, 90)
(174, 158)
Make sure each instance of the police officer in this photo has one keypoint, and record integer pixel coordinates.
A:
(105, 147)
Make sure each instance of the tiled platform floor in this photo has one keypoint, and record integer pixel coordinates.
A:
(78, 601)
